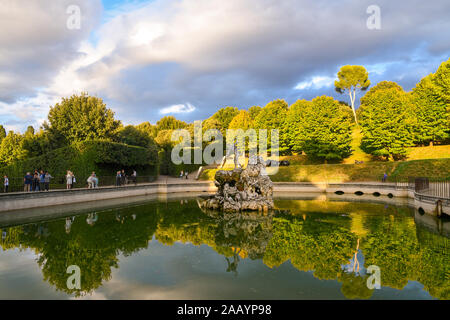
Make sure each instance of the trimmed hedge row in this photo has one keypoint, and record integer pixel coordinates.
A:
(103, 157)
(167, 167)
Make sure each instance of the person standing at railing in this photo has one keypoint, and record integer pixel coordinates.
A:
(69, 180)
(384, 177)
(47, 178)
(118, 178)
(134, 176)
(5, 184)
(36, 186)
(123, 177)
(73, 180)
(27, 180)
(42, 180)
(95, 180)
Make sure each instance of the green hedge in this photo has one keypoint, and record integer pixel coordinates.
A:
(167, 167)
(103, 157)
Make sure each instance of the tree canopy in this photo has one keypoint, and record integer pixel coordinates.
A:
(170, 123)
(350, 79)
(82, 117)
(135, 137)
(241, 121)
(11, 148)
(432, 107)
(321, 128)
(386, 120)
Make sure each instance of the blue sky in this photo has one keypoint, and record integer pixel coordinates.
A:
(188, 58)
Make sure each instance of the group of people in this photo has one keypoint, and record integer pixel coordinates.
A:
(38, 181)
(122, 178)
(183, 174)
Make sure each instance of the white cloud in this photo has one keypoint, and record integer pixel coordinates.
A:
(316, 82)
(178, 108)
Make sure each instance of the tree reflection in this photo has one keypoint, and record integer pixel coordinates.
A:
(334, 240)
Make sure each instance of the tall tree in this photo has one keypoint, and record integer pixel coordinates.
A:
(387, 122)
(222, 118)
(148, 128)
(294, 119)
(11, 148)
(441, 80)
(132, 136)
(2, 133)
(29, 132)
(272, 116)
(241, 121)
(82, 117)
(254, 111)
(321, 128)
(432, 114)
(170, 123)
(431, 98)
(352, 78)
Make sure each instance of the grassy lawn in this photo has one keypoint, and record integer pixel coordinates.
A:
(434, 152)
(431, 161)
(368, 171)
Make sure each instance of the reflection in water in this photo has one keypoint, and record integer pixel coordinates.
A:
(334, 240)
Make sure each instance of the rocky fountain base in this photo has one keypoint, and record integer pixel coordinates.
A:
(242, 189)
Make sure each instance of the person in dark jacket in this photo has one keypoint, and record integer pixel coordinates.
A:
(42, 180)
(36, 179)
(27, 180)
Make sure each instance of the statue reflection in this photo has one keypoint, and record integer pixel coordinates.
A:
(232, 265)
(244, 234)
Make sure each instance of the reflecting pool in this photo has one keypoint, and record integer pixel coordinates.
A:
(306, 249)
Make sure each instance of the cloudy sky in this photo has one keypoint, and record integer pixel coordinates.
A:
(188, 58)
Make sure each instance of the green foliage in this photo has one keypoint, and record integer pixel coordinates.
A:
(432, 107)
(29, 132)
(441, 80)
(321, 128)
(352, 78)
(81, 117)
(132, 136)
(387, 122)
(272, 116)
(103, 157)
(368, 171)
(383, 85)
(11, 148)
(170, 123)
(221, 119)
(39, 143)
(241, 121)
(318, 236)
(293, 121)
(2, 133)
(148, 128)
(254, 111)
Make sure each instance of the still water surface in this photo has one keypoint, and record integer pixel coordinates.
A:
(306, 249)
